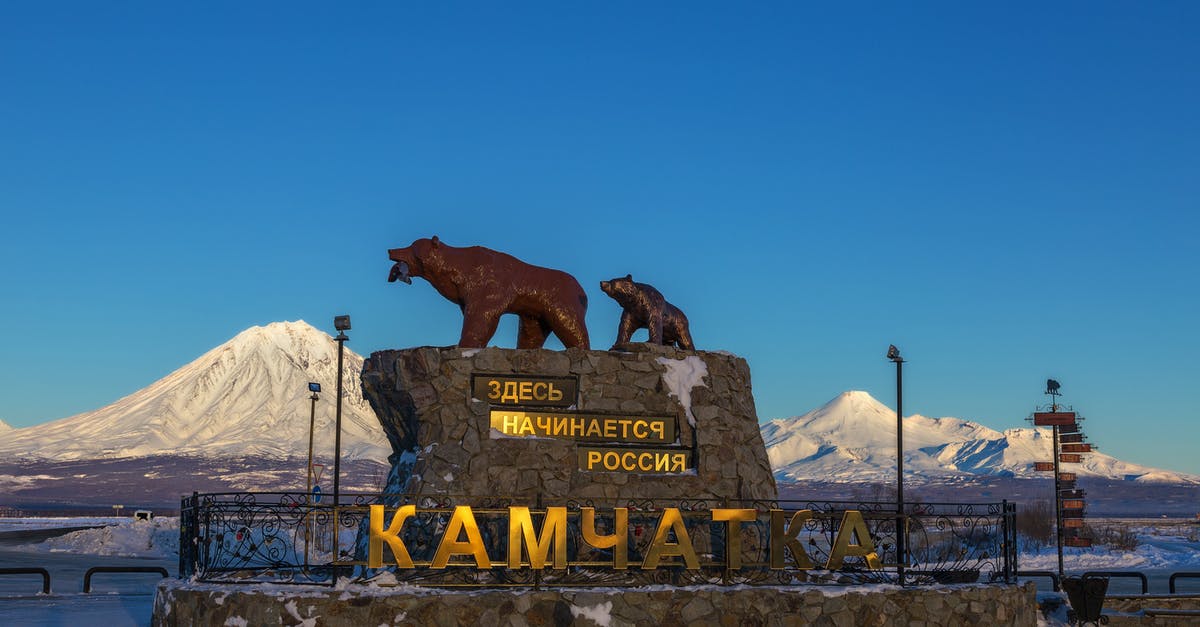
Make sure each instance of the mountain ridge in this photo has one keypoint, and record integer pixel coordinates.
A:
(853, 438)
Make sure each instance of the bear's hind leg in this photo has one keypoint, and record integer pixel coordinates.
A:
(570, 328)
(532, 332)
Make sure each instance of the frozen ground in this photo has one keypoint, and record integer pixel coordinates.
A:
(1164, 546)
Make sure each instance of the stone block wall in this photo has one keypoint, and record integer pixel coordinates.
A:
(444, 444)
(180, 603)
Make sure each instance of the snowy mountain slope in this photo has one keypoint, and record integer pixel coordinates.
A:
(853, 438)
(248, 396)
(5, 427)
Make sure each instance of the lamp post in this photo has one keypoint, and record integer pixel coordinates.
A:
(315, 388)
(901, 528)
(342, 324)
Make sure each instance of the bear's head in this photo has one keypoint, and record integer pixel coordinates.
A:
(411, 260)
(620, 287)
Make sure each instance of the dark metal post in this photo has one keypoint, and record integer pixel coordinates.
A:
(337, 440)
(342, 324)
(1058, 517)
(901, 527)
(312, 423)
(308, 488)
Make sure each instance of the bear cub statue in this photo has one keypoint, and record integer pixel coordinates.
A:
(645, 308)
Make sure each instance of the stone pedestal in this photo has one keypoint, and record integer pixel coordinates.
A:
(444, 442)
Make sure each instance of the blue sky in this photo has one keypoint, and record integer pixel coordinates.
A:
(1006, 191)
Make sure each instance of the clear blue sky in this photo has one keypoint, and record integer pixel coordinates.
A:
(1007, 191)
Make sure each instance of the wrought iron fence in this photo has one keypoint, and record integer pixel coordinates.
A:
(286, 538)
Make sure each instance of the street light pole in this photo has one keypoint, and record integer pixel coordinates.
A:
(312, 421)
(342, 324)
(308, 489)
(901, 527)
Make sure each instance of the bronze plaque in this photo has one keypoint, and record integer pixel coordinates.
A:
(1072, 504)
(566, 425)
(1077, 448)
(1070, 458)
(1053, 419)
(1070, 438)
(525, 391)
(1073, 523)
(646, 461)
(1043, 466)
(1072, 428)
(1066, 476)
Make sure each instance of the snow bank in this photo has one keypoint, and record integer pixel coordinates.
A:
(128, 538)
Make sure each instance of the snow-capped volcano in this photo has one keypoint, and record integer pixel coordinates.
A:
(246, 397)
(853, 438)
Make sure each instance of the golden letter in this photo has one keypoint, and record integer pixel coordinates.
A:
(462, 520)
(781, 539)
(511, 394)
(733, 532)
(618, 541)
(525, 389)
(391, 536)
(660, 548)
(853, 526)
(555, 394)
(494, 393)
(554, 529)
(539, 391)
(593, 458)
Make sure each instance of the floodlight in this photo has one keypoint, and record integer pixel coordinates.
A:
(314, 387)
(341, 323)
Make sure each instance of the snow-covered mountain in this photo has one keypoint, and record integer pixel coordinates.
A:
(4, 426)
(247, 397)
(853, 438)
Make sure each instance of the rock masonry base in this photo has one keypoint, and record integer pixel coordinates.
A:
(182, 603)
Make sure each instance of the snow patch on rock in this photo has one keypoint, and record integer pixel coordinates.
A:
(681, 376)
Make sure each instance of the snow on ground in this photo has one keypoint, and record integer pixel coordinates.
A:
(34, 524)
(126, 537)
(1172, 547)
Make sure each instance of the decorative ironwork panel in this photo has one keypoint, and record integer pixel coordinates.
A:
(284, 538)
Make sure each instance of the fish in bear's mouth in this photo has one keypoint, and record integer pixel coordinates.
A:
(399, 273)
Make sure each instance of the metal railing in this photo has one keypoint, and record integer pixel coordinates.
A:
(31, 571)
(1180, 575)
(286, 538)
(1131, 574)
(87, 576)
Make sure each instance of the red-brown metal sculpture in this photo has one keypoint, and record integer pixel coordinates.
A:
(645, 308)
(487, 284)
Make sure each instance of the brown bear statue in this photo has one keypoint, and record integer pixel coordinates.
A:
(645, 308)
(487, 284)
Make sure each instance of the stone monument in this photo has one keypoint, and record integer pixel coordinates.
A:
(644, 422)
